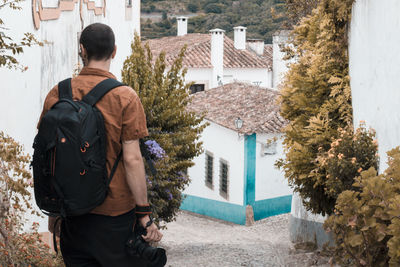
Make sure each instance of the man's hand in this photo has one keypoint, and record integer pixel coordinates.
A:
(153, 234)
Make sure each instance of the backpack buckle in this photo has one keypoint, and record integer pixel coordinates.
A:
(84, 146)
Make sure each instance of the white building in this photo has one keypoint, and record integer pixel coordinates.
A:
(237, 169)
(214, 59)
(236, 70)
(59, 24)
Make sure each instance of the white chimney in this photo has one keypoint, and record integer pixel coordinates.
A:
(279, 65)
(217, 56)
(257, 46)
(240, 37)
(182, 25)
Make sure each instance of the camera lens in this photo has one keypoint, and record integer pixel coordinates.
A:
(152, 254)
(137, 247)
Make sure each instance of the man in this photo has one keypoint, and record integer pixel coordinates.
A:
(98, 238)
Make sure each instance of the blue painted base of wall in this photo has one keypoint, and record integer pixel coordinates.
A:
(302, 231)
(216, 209)
(271, 207)
(236, 213)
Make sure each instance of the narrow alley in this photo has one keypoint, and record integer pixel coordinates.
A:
(195, 240)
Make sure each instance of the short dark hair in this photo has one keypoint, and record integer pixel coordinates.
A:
(98, 40)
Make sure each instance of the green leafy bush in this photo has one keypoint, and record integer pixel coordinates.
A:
(164, 96)
(366, 222)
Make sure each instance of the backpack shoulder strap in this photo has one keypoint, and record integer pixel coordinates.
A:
(100, 90)
(114, 168)
(64, 89)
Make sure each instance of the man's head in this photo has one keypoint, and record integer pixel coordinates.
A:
(97, 43)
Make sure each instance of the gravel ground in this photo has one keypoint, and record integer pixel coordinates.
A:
(194, 240)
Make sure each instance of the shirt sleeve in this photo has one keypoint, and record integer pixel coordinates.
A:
(134, 121)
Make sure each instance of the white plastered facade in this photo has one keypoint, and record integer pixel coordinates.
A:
(270, 181)
(374, 54)
(224, 144)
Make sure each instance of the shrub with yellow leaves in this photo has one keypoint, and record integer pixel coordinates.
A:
(366, 221)
(349, 154)
(18, 247)
(316, 99)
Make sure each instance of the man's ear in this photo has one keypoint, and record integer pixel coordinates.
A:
(114, 52)
(83, 55)
(82, 51)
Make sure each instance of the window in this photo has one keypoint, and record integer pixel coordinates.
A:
(128, 10)
(196, 88)
(223, 178)
(269, 148)
(209, 169)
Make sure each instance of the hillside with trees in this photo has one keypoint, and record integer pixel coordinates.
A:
(261, 17)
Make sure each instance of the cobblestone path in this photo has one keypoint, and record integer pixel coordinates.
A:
(194, 240)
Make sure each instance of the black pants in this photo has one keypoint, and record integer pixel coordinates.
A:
(96, 240)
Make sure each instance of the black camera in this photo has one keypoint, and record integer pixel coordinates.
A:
(137, 247)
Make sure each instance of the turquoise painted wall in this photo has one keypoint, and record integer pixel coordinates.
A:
(250, 169)
(213, 208)
(236, 213)
(271, 207)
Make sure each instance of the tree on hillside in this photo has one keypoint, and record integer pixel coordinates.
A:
(316, 99)
(193, 7)
(8, 47)
(298, 9)
(164, 96)
(262, 18)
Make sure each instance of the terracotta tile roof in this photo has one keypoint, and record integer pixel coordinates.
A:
(172, 45)
(268, 55)
(198, 53)
(256, 106)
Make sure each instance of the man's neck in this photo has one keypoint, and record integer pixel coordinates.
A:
(103, 65)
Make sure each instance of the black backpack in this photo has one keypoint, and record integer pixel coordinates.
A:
(69, 159)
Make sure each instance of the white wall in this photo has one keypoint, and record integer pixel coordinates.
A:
(222, 143)
(300, 212)
(252, 76)
(270, 181)
(374, 69)
(279, 65)
(200, 76)
(204, 75)
(23, 93)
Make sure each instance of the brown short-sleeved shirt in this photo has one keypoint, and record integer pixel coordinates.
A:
(124, 120)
